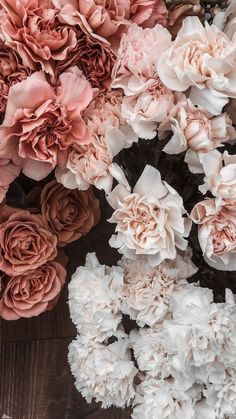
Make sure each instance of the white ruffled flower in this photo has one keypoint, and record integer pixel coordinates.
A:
(94, 298)
(105, 373)
(161, 399)
(200, 330)
(147, 290)
(222, 396)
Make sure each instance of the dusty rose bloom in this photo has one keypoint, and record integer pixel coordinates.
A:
(216, 232)
(31, 28)
(41, 122)
(25, 243)
(11, 72)
(135, 68)
(94, 58)
(149, 221)
(177, 13)
(220, 174)
(33, 293)
(202, 58)
(8, 173)
(69, 214)
(195, 130)
(102, 19)
(147, 13)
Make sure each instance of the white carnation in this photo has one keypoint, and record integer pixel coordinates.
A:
(94, 298)
(105, 373)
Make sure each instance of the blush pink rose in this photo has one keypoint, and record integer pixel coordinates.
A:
(41, 122)
(69, 214)
(204, 59)
(31, 28)
(149, 221)
(147, 13)
(25, 242)
(28, 295)
(195, 130)
(220, 175)
(216, 232)
(102, 19)
(94, 58)
(135, 67)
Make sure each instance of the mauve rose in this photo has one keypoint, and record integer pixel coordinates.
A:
(11, 72)
(216, 232)
(147, 13)
(100, 18)
(25, 242)
(33, 293)
(69, 214)
(41, 122)
(204, 59)
(95, 59)
(31, 28)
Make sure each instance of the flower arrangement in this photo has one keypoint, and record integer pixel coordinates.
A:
(126, 108)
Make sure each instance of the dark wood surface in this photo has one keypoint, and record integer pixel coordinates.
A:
(36, 382)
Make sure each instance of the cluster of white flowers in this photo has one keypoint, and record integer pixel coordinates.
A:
(177, 362)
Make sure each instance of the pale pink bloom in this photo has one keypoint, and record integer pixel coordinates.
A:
(195, 130)
(145, 110)
(216, 232)
(202, 58)
(41, 122)
(104, 113)
(147, 290)
(147, 13)
(220, 174)
(92, 164)
(135, 67)
(99, 18)
(149, 221)
(31, 28)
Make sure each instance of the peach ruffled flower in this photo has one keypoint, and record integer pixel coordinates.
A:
(41, 122)
(25, 242)
(147, 13)
(30, 294)
(195, 130)
(204, 59)
(135, 67)
(216, 221)
(149, 221)
(31, 28)
(220, 175)
(68, 214)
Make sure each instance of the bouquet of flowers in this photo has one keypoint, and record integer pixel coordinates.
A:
(126, 106)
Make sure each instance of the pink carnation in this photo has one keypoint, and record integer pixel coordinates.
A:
(195, 130)
(204, 59)
(147, 13)
(135, 68)
(149, 221)
(31, 28)
(41, 122)
(217, 232)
